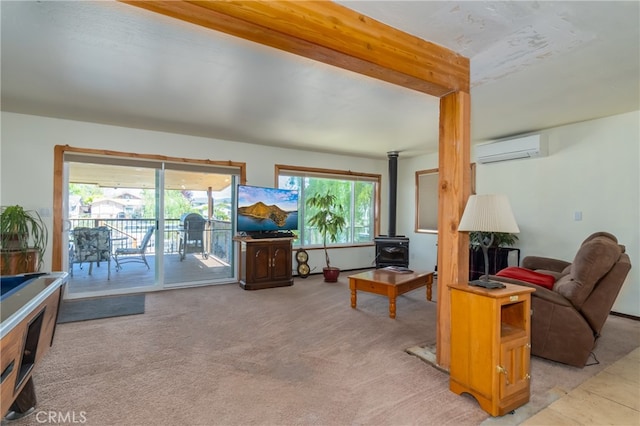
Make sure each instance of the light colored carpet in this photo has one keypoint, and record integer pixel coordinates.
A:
(287, 356)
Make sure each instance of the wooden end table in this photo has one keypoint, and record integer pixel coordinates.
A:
(389, 283)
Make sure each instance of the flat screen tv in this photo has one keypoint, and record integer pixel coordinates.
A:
(266, 211)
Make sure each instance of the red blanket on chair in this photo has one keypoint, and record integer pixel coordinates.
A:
(529, 276)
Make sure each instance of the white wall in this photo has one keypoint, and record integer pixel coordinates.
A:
(592, 168)
(26, 164)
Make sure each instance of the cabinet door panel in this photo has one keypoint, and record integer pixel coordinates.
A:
(261, 263)
(514, 357)
(281, 262)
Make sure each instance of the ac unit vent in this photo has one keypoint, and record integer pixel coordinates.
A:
(511, 149)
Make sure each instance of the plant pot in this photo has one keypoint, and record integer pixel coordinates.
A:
(14, 262)
(331, 274)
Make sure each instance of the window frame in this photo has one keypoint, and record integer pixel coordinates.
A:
(427, 193)
(345, 175)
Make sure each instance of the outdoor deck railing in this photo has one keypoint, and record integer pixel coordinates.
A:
(129, 233)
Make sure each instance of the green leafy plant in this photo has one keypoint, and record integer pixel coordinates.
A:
(21, 230)
(328, 217)
(500, 239)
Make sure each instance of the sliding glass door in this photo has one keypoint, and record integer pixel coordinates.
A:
(197, 220)
(117, 197)
(164, 225)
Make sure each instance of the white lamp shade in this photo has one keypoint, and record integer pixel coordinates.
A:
(488, 213)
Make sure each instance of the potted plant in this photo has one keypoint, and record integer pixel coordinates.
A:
(500, 239)
(23, 240)
(493, 261)
(329, 218)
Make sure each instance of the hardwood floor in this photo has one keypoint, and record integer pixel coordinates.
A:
(611, 397)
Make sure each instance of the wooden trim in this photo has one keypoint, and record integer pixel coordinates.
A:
(376, 210)
(58, 181)
(427, 171)
(328, 172)
(154, 157)
(473, 180)
(332, 34)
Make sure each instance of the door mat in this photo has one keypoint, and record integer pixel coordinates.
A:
(101, 307)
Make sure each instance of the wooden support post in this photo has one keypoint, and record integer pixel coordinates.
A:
(454, 187)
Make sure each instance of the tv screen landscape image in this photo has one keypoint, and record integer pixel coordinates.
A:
(262, 209)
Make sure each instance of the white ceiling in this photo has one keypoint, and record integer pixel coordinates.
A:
(534, 65)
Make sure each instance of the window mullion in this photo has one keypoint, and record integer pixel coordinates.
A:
(353, 213)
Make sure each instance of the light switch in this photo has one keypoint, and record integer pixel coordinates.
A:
(44, 212)
(577, 216)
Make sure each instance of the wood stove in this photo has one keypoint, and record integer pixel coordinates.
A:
(392, 249)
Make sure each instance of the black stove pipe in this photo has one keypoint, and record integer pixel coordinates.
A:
(393, 191)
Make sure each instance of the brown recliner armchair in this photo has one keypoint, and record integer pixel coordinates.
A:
(567, 319)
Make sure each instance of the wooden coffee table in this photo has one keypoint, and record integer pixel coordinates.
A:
(390, 284)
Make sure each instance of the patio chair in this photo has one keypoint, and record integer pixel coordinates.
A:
(91, 245)
(134, 254)
(192, 235)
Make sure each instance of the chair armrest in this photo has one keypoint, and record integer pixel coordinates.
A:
(551, 297)
(547, 263)
(541, 292)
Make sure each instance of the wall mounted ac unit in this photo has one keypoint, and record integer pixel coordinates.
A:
(511, 149)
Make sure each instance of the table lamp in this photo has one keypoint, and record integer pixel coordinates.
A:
(488, 213)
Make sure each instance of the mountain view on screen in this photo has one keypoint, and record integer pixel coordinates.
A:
(266, 209)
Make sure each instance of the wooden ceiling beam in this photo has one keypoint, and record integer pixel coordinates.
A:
(332, 34)
(335, 35)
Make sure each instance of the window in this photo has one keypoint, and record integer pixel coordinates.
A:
(427, 199)
(356, 192)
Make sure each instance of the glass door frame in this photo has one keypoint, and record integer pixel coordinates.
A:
(60, 210)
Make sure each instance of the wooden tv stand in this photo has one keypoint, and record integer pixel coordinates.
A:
(265, 263)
